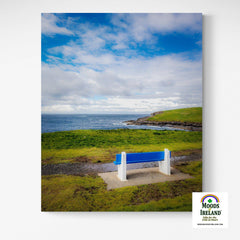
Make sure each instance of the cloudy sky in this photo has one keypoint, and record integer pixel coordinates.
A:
(121, 63)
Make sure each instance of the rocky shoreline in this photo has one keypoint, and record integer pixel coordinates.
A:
(182, 125)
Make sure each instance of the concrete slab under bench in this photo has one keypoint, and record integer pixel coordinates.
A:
(141, 176)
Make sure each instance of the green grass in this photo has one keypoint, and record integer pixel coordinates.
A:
(88, 193)
(102, 145)
(193, 115)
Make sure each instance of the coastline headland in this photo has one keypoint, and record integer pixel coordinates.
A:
(155, 120)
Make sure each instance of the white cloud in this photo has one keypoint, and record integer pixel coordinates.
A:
(50, 27)
(92, 38)
(142, 26)
(117, 105)
(125, 85)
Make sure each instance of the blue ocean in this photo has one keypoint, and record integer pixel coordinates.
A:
(65, 122)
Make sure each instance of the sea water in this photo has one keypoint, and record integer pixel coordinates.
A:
(65, 122)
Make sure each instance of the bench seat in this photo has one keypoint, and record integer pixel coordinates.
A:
(141, 157)
(123, 159)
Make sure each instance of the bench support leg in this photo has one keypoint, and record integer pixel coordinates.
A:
(122, 168)
(164, 166)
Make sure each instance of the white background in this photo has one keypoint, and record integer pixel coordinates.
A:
(20, 94)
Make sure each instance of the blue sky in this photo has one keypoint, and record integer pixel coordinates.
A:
(121, 63)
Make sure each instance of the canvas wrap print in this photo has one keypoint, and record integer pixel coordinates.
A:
(121, 111)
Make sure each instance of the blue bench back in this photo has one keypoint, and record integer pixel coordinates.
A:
(141, 157)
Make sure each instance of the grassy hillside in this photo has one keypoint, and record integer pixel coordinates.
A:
(102, 145)
(193, 115)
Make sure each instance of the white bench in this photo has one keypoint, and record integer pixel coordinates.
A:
(163, 158)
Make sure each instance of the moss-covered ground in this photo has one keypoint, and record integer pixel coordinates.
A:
(89, 193)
